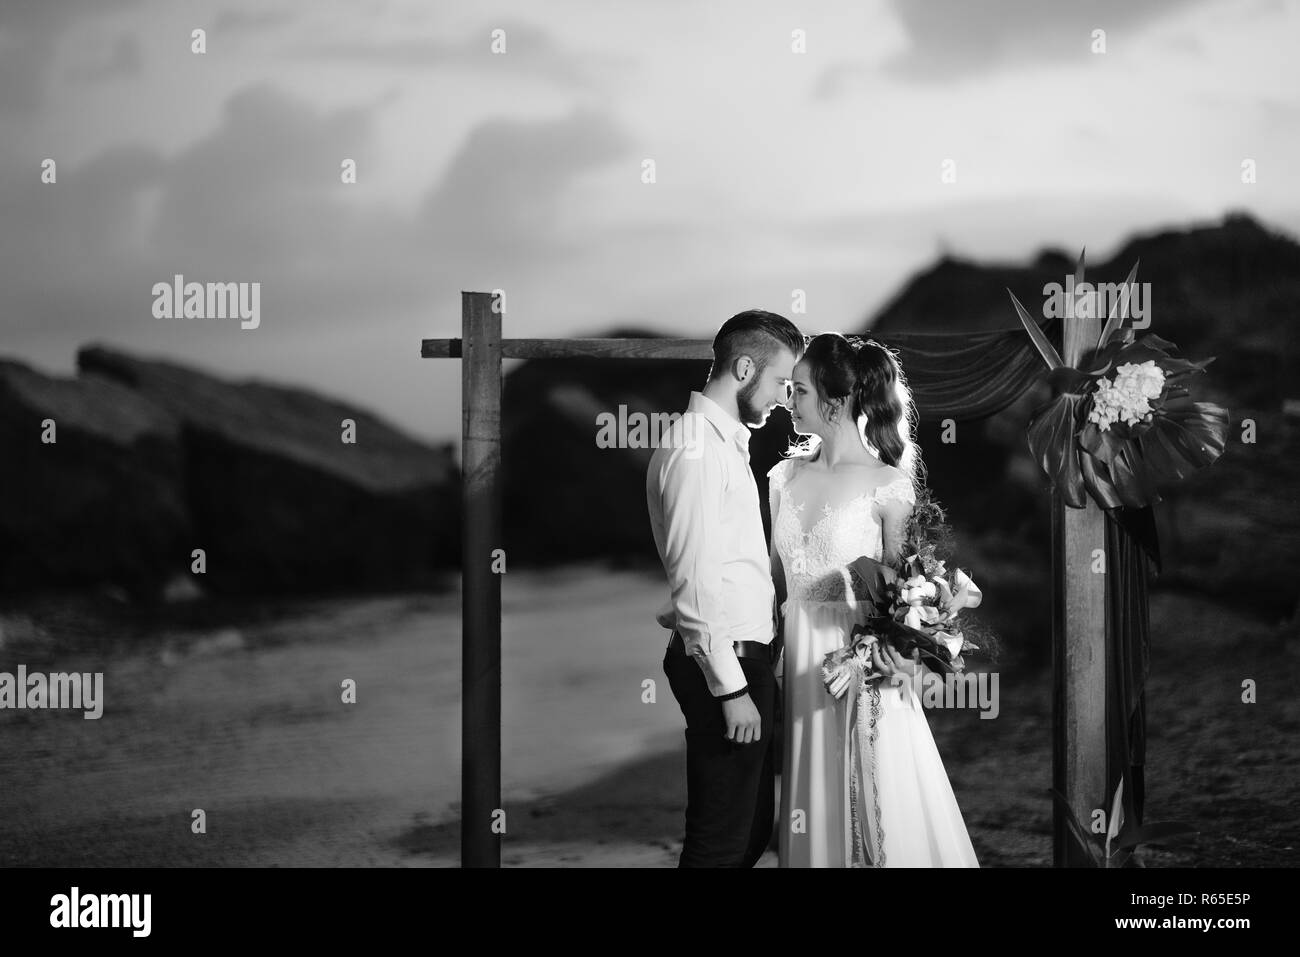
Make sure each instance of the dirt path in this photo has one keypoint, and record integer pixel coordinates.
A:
(240, 715)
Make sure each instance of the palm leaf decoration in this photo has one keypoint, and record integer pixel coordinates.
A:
(1123, 465)
(1116, 846)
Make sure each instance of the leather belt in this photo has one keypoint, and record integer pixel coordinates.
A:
(744, 649)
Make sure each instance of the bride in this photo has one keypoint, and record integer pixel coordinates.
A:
(846, 492)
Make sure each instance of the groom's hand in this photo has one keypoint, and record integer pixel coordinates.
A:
(744, 724)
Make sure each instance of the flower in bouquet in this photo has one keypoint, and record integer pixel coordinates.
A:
(955, 597)
(916, 590)
(931, 605)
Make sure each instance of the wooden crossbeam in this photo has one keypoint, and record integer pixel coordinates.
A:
(580, 348)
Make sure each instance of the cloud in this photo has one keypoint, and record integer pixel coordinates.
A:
(1277, 112)
(123, 61)
(955, 39)
(530, 53)
(246, 21)
(260, 199)
(66, 252)
(29, 35)
(503, 193)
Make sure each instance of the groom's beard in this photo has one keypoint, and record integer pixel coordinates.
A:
(750, 414)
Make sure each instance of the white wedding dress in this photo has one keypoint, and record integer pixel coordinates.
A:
(900, 811)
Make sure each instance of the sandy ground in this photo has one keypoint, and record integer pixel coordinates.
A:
(237, 710)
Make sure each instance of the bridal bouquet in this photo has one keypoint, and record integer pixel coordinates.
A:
(914, 605)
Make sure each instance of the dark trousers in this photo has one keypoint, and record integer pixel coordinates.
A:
(730, 800)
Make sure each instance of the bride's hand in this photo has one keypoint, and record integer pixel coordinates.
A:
(893, 665)
(839, 682)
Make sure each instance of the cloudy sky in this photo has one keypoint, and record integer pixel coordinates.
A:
(775, 170)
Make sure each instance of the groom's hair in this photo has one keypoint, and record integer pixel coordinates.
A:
(757, 334)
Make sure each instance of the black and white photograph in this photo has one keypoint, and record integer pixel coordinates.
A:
(635, 435)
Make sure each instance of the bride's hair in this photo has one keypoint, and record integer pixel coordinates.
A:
(869, 378)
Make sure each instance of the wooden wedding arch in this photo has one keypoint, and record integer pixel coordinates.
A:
(1079, 639)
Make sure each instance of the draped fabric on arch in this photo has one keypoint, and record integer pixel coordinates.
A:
(967, 376)
(1128, 532)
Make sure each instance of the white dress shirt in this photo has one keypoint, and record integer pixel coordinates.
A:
(704, 512)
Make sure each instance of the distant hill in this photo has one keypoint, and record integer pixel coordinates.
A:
(1229, 290)
(154, 459)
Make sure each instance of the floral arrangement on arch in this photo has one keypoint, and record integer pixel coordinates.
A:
(1124, 423)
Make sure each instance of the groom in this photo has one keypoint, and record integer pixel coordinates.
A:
(704, 513)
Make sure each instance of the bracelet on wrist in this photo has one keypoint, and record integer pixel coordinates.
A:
(734, 694)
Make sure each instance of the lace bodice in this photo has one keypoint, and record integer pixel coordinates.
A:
(816, 562)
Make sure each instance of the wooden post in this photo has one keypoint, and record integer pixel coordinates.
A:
(480, 350)
(1078, 644)
(480, 844)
